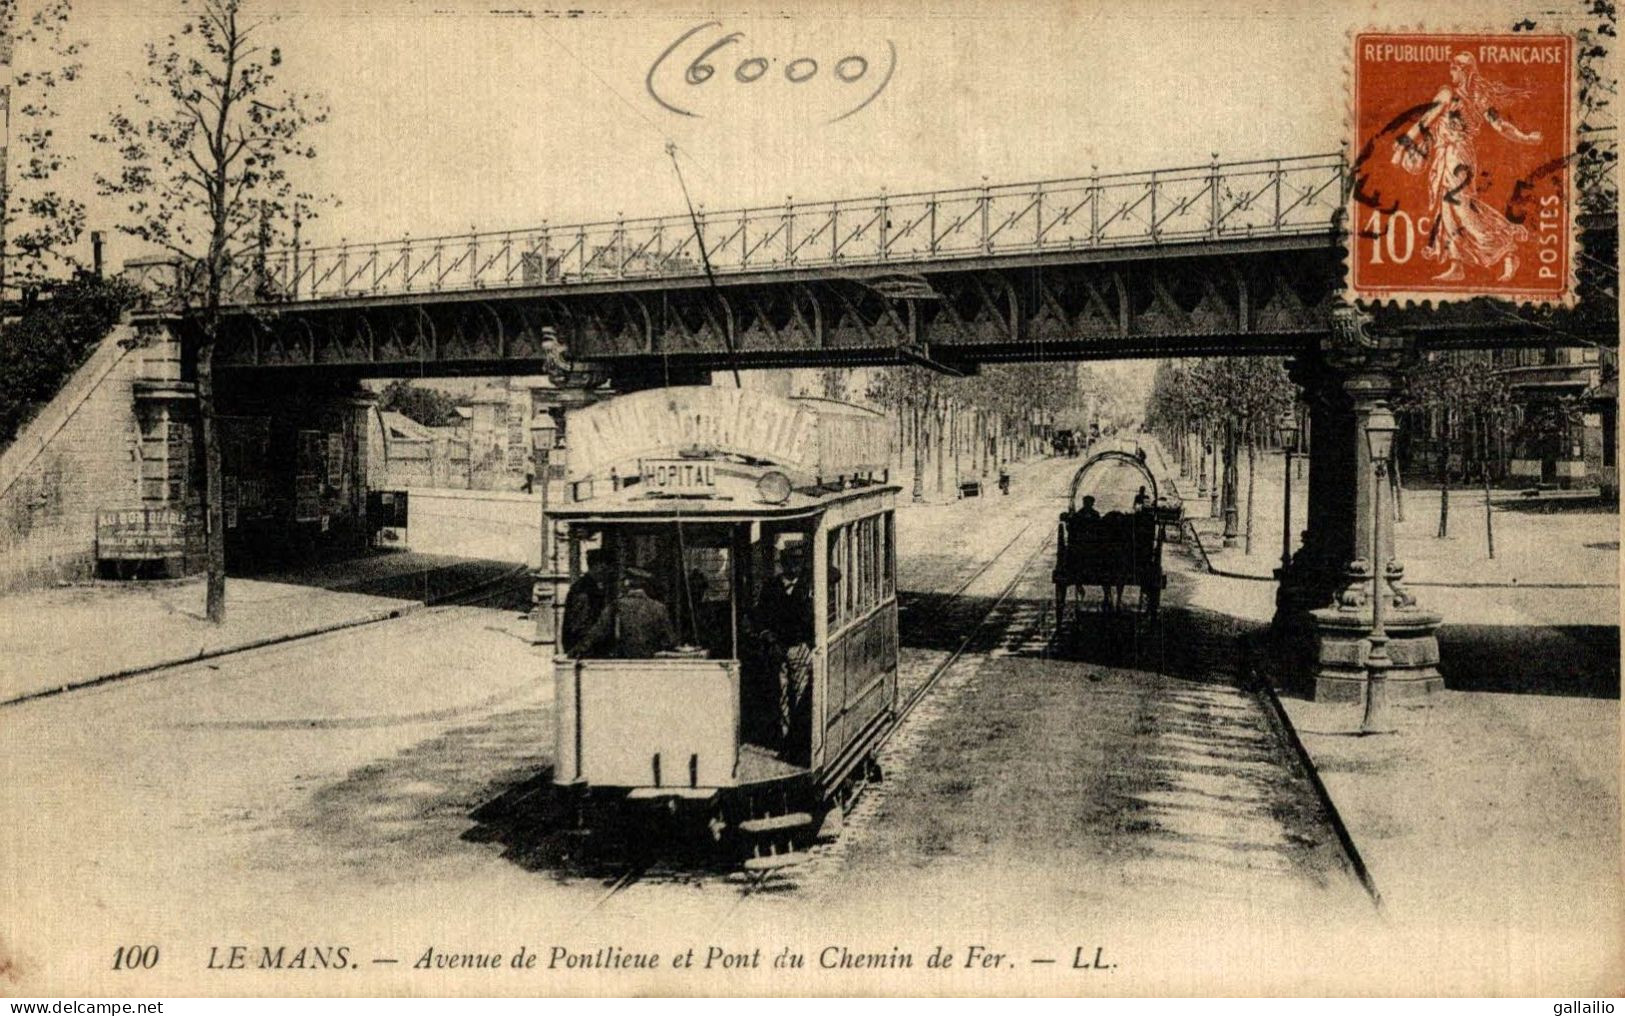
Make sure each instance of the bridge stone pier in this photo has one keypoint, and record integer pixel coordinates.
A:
(1324, 601)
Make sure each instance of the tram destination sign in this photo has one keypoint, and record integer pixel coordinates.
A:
(680, 476)
(807, 438)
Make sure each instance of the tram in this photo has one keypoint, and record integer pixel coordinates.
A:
(728, 645)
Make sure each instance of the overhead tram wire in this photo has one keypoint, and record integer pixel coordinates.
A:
(705, 259)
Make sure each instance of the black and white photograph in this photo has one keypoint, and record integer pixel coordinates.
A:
(809, 499)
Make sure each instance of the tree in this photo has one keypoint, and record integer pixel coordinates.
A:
(1238, 398)
(41, 223)
(1455, 389)
(428, 406)
(205, 171)
(49, 341)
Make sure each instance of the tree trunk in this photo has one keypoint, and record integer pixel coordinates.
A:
(1398, 487)
(1444, 477)
(1489, 516)
(214, 519)
(941, 419)
(917, 487)
(1229, 489)
(1251, 455)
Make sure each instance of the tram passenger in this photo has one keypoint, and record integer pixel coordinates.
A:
(635, 627)
(1087, 510)
(783, 619)
(585, 602)
(1141, 499)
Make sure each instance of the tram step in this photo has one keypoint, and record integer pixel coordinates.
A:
(773, 862)
(657, 793)
(775, 823)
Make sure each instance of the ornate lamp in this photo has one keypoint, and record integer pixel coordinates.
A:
(543, 433)
(1286, 428)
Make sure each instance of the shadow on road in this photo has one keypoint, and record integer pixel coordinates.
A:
(1573, 660)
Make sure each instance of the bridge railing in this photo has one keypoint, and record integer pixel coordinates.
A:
(1182, 205)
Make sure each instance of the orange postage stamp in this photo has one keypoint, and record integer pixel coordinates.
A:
(1462, 175)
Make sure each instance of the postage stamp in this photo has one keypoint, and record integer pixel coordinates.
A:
(1462, 183)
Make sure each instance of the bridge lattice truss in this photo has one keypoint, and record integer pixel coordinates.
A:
(1220, 258)
(1279, 197)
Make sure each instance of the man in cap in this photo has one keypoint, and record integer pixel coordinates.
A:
(635, 627)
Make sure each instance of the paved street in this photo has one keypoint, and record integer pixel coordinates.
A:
(386, 770)
(385, 788)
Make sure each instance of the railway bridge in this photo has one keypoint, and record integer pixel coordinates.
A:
(1210, 259)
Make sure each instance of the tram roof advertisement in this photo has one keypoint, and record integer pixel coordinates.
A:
(808, 439)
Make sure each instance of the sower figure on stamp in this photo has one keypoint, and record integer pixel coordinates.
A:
(1444, 142)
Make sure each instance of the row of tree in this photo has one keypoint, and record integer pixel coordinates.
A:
(1208, 410)
(976, 423)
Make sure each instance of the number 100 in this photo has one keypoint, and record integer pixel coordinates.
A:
(135, 957)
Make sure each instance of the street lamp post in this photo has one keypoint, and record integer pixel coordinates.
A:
(1287, 427)
(1379, 434)
(1201, 467)
(542, 436)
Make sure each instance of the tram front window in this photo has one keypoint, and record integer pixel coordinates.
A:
(646, 591)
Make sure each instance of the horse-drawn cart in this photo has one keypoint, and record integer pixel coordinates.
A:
(1116, 549)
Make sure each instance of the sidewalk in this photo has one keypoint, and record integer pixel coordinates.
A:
(76, 635)
(1489, 824)
(1560, 539)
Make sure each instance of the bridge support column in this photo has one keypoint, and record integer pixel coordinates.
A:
(1324, 600)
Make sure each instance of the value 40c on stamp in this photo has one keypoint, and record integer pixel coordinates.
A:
(1462, 175)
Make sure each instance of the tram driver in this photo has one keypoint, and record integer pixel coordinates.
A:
(635, 626)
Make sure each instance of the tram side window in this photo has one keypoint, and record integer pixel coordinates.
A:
(888, 558)
(860, 568)
(837, 574)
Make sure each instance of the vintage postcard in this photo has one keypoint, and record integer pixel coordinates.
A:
(809, 499)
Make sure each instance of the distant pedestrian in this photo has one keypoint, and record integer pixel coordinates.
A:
(1004, 481)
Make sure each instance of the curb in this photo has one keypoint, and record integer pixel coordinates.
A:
(260, 643)
(1266, 690)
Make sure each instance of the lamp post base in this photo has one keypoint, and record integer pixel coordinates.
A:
(1342, 643)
